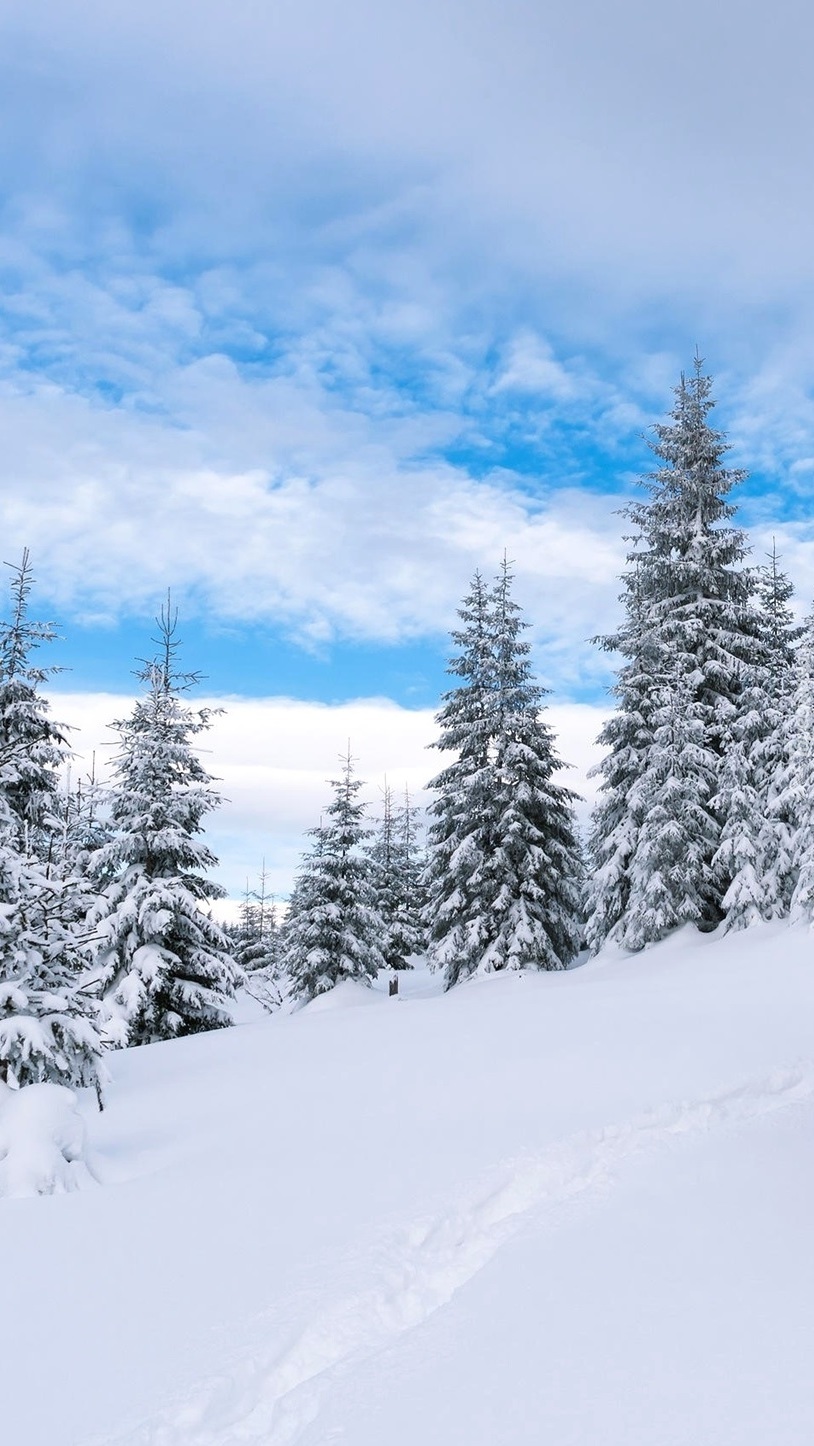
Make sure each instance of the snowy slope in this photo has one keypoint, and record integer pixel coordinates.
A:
(562, 1208)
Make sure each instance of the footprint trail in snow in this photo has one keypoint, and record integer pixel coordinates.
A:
(272, 1398)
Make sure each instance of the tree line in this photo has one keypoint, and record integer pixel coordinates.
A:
(705, 812)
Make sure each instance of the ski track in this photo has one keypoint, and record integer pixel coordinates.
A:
(274, 1399)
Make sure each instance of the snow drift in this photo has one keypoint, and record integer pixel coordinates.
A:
(558, 1208)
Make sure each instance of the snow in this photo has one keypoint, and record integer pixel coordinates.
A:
(42, 1142)
(567, 1208)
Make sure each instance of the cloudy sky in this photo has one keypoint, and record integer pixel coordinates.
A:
(309, 309)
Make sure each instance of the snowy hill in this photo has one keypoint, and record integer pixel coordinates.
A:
(567, 1208)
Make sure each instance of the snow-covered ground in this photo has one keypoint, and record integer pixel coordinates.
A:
(568, 1209)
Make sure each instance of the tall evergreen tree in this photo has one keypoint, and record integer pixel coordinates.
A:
(333, 929)
(690, 617)
(163, 961)
(627, 738)
(755, 852)
(795, 787)
(48, 1022)
(677, 831)
(504, 870)
(781, 635)
(460, 833)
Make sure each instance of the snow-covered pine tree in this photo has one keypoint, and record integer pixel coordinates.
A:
(48, 1023)
(333, 930)
(697, 622)
(255, 944)
(755, 852)
(82, 827)
(460, 835)
(163, 962)
(396, 873)
(534, 870)
(627, 737)
(795, 787)
(504, 871)
(781, 635)
(779, 629)
(256, 936)
(739, 857)
(408, 935)
(677, 832)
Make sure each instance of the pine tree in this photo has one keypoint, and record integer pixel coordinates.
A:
(627, 738)
(781, 635)
(677, 831)
(691, 621)
(779, 629)
(755, 851)
(256, 938)
(739, 856)
(408, 935)
(396, 873)
(333, 929)
(504, 868)
(48, 1022)
(535, 868)
(459, 835)
(163, 961)
(795, 787)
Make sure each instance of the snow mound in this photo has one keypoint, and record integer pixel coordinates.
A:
(42, 1142)
(347, 995)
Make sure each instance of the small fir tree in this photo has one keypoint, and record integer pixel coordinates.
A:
(256, 938)
(333, 930)
(396, 873)
(48, 1022)
(163, 962)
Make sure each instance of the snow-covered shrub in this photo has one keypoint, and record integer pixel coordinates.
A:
(42, 1142)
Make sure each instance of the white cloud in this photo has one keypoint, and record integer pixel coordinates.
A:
(273, 757)
(333, 528)
(531, 366)
(567, 126)
(394, 217)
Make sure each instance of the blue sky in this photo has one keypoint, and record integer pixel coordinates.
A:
(309, 310)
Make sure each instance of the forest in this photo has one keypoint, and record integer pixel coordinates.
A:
(705, 813)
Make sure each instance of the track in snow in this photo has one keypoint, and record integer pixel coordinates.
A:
(271, 1399)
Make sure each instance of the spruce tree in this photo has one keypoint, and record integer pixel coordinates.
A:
(691, 623)
(504, 870)
(163, 962)
(780, 632)
(408, 935)
(755, 851)
(795, 787)
(460, 832)
(627, 738)
(256, 937)
(781, 635)
(48, 1021)
(677, 832)
(333, 929)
